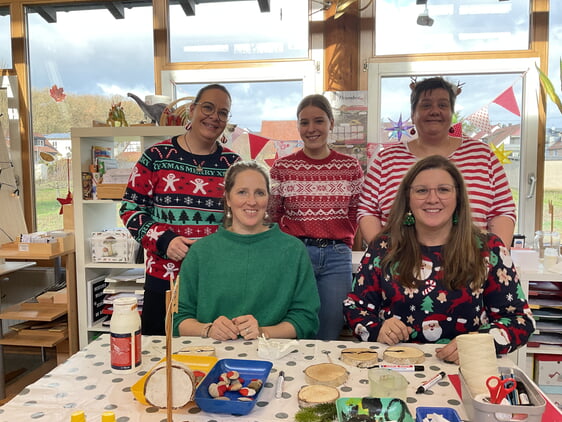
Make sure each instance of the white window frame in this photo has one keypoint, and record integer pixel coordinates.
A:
(304, 70)
(529, 113)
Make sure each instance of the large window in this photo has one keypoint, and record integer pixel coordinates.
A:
(237, 30)
(5, 40)
(405, 27)
(553, 144)
(497, 104)
(79, 66)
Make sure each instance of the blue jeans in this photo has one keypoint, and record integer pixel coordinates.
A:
(332, 269)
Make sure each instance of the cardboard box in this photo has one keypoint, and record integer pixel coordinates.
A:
(110, 190)
(548, 374)
(68, 217)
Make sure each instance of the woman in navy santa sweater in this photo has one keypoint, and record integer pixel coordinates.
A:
(174, 197)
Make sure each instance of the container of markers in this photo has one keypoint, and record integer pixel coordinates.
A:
(480, 408)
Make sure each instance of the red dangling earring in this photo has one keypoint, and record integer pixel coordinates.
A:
(451, 129)
(413, 131)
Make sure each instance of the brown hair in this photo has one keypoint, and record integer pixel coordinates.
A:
(230, 179)
(211, 86)
(316, 100)
(463, 263)
(429, 84)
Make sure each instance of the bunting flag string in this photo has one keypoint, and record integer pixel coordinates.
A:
(507, 100)
(257, 144)
(481, 119)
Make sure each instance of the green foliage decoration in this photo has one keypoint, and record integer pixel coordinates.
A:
(325, 412)
(548, 87)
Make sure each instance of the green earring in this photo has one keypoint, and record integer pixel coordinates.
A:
(409, 219)
(455, 219)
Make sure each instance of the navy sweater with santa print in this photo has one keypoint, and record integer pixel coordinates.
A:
(435, 314)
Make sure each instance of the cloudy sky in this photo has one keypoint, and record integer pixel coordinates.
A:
(90, 52)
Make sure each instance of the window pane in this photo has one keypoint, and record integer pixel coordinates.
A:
(79, 66)
(457, 26)
(479, 97)
(5, 39)
(256, 102)
(237, 30)
(553, 147)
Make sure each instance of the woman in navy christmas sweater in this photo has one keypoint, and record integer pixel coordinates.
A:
(432, 275)
(174, 197)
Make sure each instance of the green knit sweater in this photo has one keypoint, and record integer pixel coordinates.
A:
(267, 275)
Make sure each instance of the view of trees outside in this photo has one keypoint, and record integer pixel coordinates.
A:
(95, 69)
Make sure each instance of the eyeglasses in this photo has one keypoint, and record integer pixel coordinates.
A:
(209, 109)
(442, 191)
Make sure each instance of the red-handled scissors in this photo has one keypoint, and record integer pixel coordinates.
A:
(499, 388)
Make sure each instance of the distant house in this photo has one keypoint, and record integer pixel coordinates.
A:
(280, 130)
(42, 144)
(61, 142)
(554, 151)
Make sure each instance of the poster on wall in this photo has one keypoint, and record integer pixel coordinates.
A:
(350, 123)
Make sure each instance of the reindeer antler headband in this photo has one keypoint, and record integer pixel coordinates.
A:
(456, 89)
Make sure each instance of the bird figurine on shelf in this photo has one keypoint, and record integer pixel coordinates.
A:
(152, 111)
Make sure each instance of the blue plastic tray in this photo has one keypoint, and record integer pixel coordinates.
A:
(372, 409)
(449, 414)
(248, 370)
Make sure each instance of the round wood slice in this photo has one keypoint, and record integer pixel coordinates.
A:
(359, 356)
(183, 385)
(326, 374)
(401, 355)
(311, 395)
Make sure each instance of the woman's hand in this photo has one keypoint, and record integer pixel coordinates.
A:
(248, 326)
(448, 353)
(394, 331)
(178, 247)
(223, 329)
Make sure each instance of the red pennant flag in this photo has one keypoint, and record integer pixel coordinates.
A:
(507, 100)
(257, 143)
(457, 130)
(270, 161)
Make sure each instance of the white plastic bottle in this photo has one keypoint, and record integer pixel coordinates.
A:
(125, 327)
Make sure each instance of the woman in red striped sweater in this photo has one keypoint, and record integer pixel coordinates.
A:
(433, 105)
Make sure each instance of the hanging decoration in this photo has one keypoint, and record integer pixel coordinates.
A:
(456, 130)
(399, 128)
(507, 100)
(257, 144)
(57, 93)
(501, 153)
(68, 199)
(481, 119)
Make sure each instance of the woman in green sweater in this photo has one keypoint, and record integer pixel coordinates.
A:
(249, 278)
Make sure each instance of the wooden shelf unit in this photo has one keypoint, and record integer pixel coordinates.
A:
(66, 341)
(93, 215)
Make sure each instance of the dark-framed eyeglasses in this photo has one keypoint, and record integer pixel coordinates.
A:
(443, 191)
(209, 109)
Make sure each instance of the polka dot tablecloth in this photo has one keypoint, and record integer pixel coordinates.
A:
(86, 382)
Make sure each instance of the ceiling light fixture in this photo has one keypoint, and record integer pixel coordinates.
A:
(424, 19)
